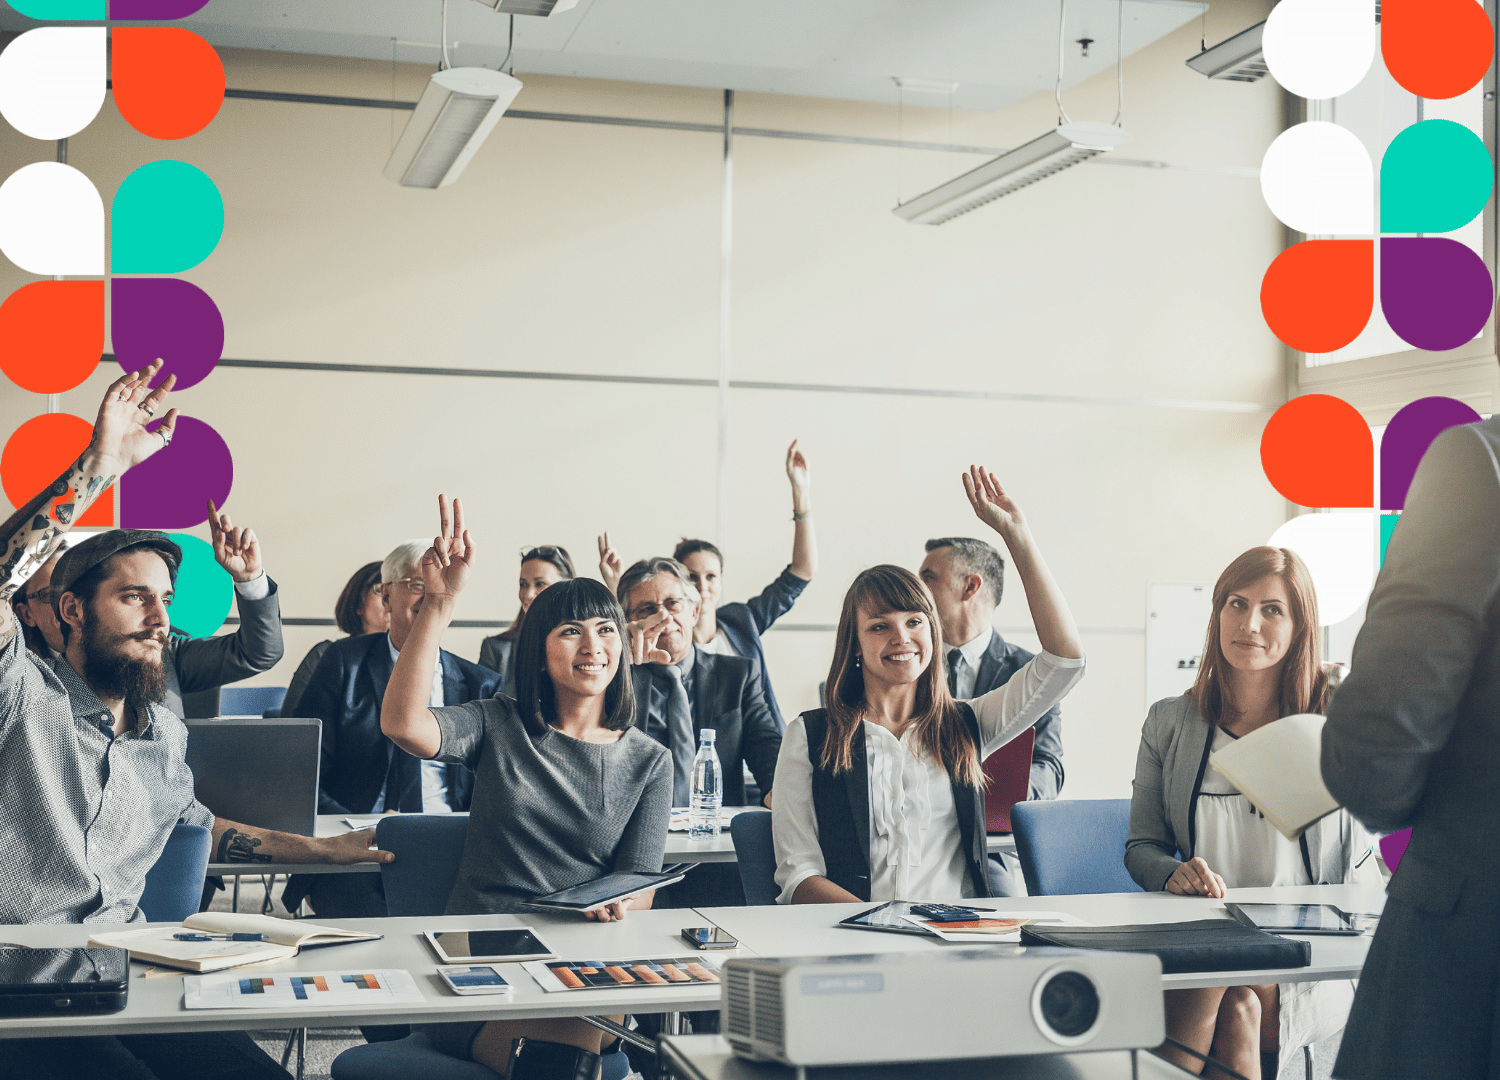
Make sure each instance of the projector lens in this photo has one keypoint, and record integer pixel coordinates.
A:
(1070, 1004)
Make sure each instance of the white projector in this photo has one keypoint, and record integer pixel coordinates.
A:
(935, 1006)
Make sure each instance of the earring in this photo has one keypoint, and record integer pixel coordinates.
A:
(856, 661)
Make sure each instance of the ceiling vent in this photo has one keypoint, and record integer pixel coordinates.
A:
(459, 108)
(544, 8)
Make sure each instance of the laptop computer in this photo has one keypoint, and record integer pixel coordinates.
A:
(262, 772)
(1009, 772)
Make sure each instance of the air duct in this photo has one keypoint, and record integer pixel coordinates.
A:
(459, 108)
(544, 8)
(1055, 151)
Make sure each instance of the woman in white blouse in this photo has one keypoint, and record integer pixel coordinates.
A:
(881, 795)
(1193, 833)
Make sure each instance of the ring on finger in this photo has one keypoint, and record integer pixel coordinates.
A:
(147, 409)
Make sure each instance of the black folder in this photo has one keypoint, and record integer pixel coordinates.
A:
(1204, 945)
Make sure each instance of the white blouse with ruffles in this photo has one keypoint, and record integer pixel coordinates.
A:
(915, 852)
(1236, 840)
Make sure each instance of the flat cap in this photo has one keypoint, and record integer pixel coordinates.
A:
(81, 558)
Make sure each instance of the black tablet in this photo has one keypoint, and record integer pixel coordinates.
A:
(609, 888)
(888, 917)
(1294, 918)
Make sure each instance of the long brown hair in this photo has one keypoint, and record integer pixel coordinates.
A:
(346, 611)
(1303, 685)
(548, 553)
(938, 725)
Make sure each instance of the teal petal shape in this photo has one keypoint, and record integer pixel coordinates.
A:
(167, 217)
(204, 590)
(1435, 177)
(61, 10)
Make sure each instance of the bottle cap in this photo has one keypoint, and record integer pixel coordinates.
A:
(707, 734)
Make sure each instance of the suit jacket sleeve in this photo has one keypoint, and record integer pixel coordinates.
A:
(324, 699)
(1428, 619)
(775, 600)
(203, 663)
(1046, 756)
(303, 675)
(760, 735)
(1150, 845)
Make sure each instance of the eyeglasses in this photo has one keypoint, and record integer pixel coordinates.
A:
(671, 605)
(412, 584)
(375, 587)
(44, 595)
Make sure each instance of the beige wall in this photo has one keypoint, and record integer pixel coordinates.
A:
(584, 248)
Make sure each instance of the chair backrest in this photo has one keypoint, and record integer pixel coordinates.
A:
(249, 700)
(751, 833)
(1073, 846)
(1009, 773)
(174, 885)
(428, 850)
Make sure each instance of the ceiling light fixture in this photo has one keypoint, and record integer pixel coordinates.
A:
(544, 8)
(1061, 148)
(457, 110)
(1239, 59)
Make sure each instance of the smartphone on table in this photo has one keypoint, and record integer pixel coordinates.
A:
(709, 937)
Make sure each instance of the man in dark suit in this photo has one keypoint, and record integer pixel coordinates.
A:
(193, 666)
(1413, 739)
(362, 771)
(966, 577)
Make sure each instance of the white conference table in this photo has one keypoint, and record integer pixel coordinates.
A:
(708, 1057)
(813, 930)
(679, 849)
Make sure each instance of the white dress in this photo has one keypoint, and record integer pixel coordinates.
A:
(915, 849)
(1245, 849)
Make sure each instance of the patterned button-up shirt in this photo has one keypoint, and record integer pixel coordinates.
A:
(83, 816)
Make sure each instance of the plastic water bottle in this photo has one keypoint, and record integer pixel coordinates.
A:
(708, 789)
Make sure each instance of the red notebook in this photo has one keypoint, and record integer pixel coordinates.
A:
(1009, 773)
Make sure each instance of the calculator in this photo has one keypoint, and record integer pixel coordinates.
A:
(941, 913)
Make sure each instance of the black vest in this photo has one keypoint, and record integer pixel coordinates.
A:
(842, 805)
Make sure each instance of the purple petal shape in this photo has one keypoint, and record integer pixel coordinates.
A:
(153, 9)
(1407, 438)
(167, 318)
(1436, 293)
(169, 489)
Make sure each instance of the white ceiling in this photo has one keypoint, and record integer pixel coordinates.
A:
(996, 51)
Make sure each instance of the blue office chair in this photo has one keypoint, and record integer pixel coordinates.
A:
(174, 885)
(751, 833)
(428, 850)
(1073, 846)
(249, 700)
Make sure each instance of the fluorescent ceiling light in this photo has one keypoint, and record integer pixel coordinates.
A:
(543, 8)
(1238, 60)
(1055, 151)
(457, 110)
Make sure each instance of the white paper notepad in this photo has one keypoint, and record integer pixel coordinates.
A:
(1277, 768)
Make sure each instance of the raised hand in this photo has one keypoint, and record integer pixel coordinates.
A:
(991, 504)
(610, 565)
(800, 476)
(129, 404)
(446, 567)
(237, 550)
(645, 637)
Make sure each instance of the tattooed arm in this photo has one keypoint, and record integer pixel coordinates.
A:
(238, 843)
(31, 535)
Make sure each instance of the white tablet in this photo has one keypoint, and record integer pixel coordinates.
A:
(492, 946)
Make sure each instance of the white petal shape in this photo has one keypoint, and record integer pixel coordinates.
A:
(52, 80)
(1320, 48)
(1317, 178)
(1339, 550)
(52, 221)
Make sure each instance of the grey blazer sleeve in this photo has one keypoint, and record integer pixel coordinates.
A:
(1427, 623)
(1151, 845)
(203, 663)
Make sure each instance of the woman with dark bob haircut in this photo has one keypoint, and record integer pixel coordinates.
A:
(570, 723)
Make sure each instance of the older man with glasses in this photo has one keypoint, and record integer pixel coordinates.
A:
(362, 771)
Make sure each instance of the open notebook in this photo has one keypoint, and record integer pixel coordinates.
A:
(1277, 768)
(284, 938)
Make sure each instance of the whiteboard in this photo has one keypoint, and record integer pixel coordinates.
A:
(1177, 615)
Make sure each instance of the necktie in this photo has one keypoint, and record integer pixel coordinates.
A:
(680, 739)
(955, 657)
(403, 783)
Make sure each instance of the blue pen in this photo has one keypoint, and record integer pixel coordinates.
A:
(219, 937)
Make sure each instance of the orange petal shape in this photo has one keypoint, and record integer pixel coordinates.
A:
(168, 82)
(1436, 48)
(1317, 451)
(39, 452)
(52, 334)
(1318, 295)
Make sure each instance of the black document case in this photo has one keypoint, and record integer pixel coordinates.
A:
(49, 982)
(1204, 945)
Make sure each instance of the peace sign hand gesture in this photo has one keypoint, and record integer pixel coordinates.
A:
(992, 505)
(237, 550)
(120, 434)
(446, 567)
(610, 564)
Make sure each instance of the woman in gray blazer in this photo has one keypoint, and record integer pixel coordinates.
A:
(1193, 833)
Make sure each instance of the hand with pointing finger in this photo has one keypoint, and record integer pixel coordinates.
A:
(237, 550)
